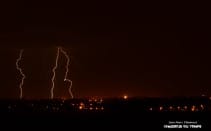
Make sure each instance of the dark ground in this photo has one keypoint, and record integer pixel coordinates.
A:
(106, 121)
(119, 116)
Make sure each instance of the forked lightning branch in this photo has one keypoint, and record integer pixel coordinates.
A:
(59, 50)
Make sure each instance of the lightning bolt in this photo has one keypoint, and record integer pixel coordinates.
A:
(21, 72)
(59, 49)
(54, 73)
(67, 70)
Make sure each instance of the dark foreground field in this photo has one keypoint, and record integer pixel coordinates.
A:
(97, 121)
(116, 115)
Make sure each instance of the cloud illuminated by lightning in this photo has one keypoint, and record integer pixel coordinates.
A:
(21, 72)
(59, 49)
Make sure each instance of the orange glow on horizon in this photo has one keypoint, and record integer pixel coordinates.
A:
(125, 97)
(80, 107)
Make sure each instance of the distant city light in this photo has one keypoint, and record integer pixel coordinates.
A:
(86, 105)
(193, 108)
(82, 104)
(202, 106)
(178, 107)
(80, 107)
(203, 95)
(101, 100)
(125, 97)
(185, 107)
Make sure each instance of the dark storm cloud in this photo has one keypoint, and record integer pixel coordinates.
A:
(116, 48)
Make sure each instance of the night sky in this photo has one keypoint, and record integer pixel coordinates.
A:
(139, 49)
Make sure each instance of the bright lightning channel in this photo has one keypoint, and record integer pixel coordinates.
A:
(66, 73)
(67, 70)
(54, 73)
(21, 72)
